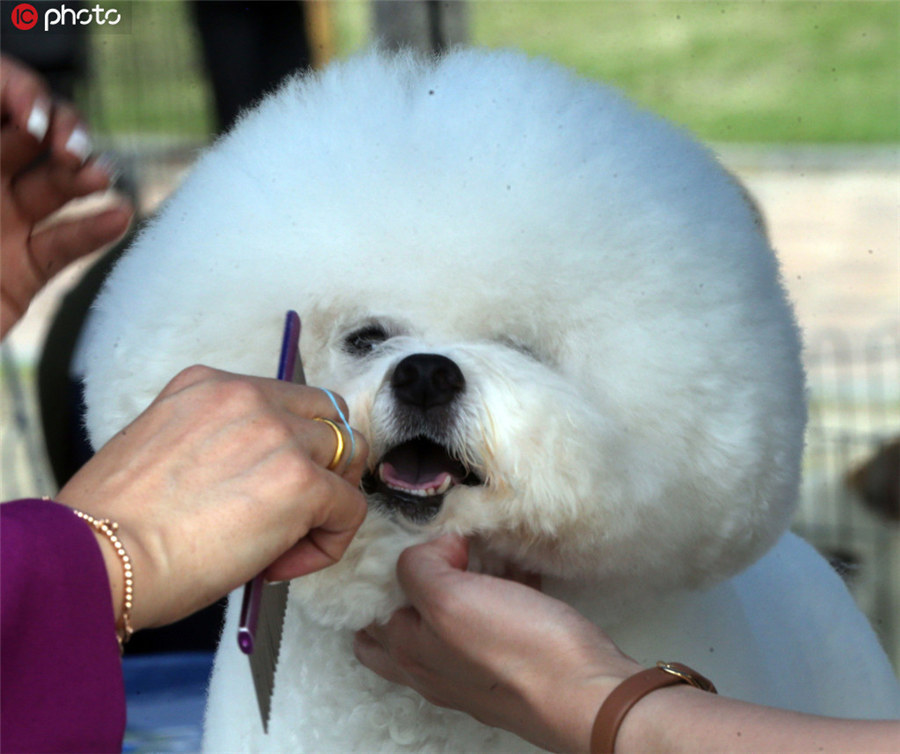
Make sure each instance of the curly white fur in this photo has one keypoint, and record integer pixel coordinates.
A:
(634, 396)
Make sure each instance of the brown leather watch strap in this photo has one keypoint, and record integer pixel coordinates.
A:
(631, 691)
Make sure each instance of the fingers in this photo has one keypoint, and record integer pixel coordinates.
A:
(343, 509)
(396, 632)
(425, 570)
(52, 249)
(19, 149)
(298, 405)
(301, 400)
(446, 603)
(47, 187)
(319, 440)
(45, 148)
(271, 429)
(68, 138)
(58, 245)
(351, 450)
(373, 645)
(33, 123)
(375, 657)
(26, 113)
(19, 89)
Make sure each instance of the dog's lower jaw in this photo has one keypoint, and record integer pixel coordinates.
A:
(406, 510)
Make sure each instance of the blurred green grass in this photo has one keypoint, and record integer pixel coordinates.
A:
(150, 80)
(731, 71)
(784, 71)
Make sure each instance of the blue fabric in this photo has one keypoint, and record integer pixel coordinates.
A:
(166, 698)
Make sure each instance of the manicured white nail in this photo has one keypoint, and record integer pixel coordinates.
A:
(79, 144)
(39, 119)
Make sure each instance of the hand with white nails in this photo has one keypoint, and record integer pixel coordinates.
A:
(45, 162)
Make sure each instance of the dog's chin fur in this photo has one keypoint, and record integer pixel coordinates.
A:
(633, 408)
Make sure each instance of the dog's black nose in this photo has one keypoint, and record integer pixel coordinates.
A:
(426, 380)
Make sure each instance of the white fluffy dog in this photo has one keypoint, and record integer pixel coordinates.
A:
(559, 323)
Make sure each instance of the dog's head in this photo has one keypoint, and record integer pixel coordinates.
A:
(556, 319)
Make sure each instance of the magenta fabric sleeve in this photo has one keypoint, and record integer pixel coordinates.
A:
(60, 670)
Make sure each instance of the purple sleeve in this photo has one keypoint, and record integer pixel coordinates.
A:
(60, 669)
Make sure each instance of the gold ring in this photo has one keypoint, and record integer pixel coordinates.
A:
(339, 436)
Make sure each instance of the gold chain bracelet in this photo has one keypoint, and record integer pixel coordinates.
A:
(108, 528)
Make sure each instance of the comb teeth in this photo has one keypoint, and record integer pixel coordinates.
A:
(266, 644)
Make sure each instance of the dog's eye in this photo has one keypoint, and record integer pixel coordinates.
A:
(361, 342)
(521, 347)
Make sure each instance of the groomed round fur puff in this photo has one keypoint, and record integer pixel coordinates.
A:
(634, 400)
(613, 381)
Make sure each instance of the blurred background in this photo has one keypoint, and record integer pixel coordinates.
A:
(800, 99)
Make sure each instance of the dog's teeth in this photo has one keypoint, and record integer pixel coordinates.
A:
(427, 492)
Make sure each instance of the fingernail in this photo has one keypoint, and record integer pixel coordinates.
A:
(39, 119)
(79, 144)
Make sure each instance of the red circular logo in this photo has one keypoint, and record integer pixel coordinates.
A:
(24, 16)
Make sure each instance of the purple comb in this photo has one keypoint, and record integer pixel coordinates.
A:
(263, 606)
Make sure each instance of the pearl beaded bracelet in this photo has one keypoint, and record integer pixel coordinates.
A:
(108, 528)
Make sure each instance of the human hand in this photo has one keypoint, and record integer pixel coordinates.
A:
(496, 649)
(221, 477)
(45, 163)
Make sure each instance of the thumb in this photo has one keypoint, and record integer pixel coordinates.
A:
(425, 570)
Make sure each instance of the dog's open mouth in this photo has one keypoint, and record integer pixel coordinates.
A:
(413, 478)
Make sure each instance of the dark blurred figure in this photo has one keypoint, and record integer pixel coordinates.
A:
(248, 48)
(59, 56)
(429, 26)
(877, 481)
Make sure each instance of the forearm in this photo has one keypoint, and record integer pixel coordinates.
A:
(682, 719)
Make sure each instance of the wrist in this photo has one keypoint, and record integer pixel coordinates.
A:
(665, 720)
(119, 572)
(619, 708)
(113, 573)
(572, 708)
(557, 712)
(595, 692)
(573, 705)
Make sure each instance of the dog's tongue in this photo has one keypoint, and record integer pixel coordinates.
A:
(419, 465)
